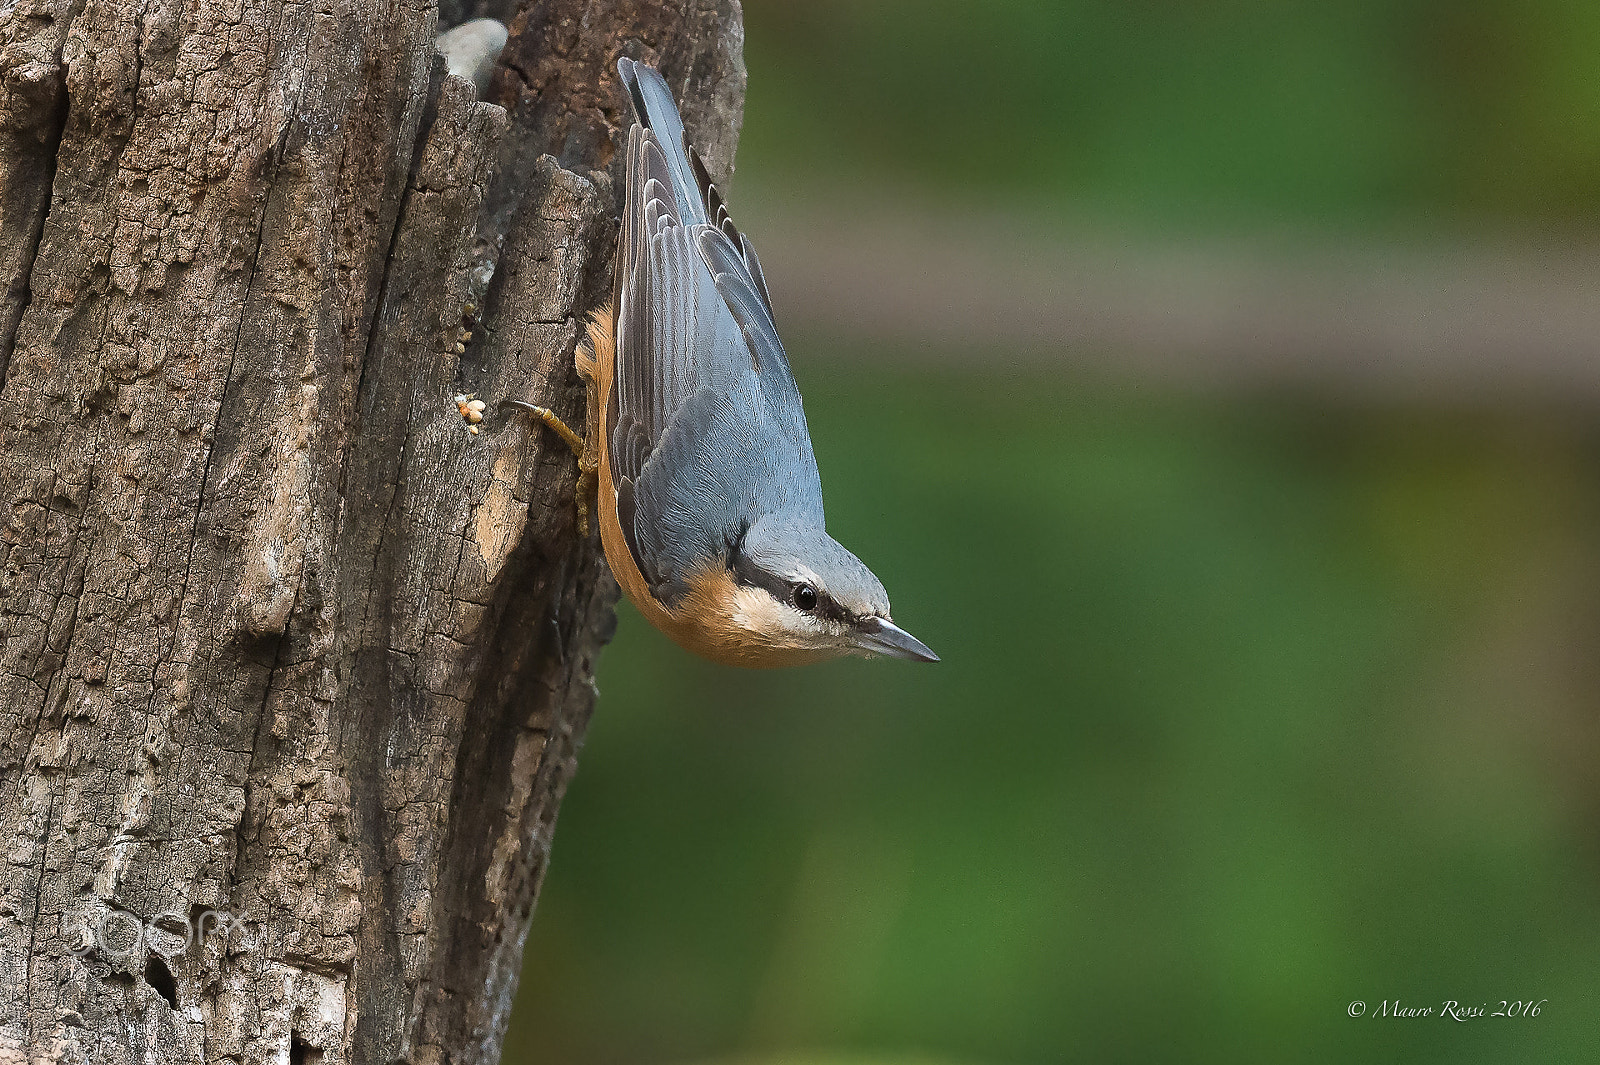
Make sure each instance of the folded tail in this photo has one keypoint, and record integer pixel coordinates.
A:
(655, 110)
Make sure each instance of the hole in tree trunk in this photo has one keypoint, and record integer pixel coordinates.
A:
(302, 1052)
(158, 976)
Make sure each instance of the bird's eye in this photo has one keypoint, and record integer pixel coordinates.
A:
(805, 597)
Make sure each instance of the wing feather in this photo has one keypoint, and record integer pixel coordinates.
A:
(706, 429)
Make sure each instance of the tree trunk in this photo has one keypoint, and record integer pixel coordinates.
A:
(294, 667)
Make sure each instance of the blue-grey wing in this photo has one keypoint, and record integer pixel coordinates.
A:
(684, 174)
(705, 424)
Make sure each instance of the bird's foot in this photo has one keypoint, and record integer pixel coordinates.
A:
(548, 416)
(588, 464)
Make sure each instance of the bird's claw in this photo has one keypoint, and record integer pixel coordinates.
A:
(587, 464)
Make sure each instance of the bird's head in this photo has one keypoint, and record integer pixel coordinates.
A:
(793, 594)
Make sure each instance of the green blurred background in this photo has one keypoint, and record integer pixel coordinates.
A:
(1255, 701)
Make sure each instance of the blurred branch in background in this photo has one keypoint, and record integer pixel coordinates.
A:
(1435, 319)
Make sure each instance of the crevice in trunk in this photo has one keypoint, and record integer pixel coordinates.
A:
(28, 233)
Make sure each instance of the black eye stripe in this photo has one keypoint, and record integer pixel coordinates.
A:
(831, 610)
(750, 575)
(753, 576)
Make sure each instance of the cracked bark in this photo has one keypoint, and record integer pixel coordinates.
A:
(279, 640)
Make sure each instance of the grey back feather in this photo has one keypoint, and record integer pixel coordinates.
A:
(707, 432)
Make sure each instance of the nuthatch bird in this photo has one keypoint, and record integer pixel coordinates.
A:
(710, 501)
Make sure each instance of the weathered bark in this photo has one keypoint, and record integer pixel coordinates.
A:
(279, 639)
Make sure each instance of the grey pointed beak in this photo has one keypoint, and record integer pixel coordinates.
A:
(880, 636)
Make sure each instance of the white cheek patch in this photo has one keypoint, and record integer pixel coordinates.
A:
(755, 610)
